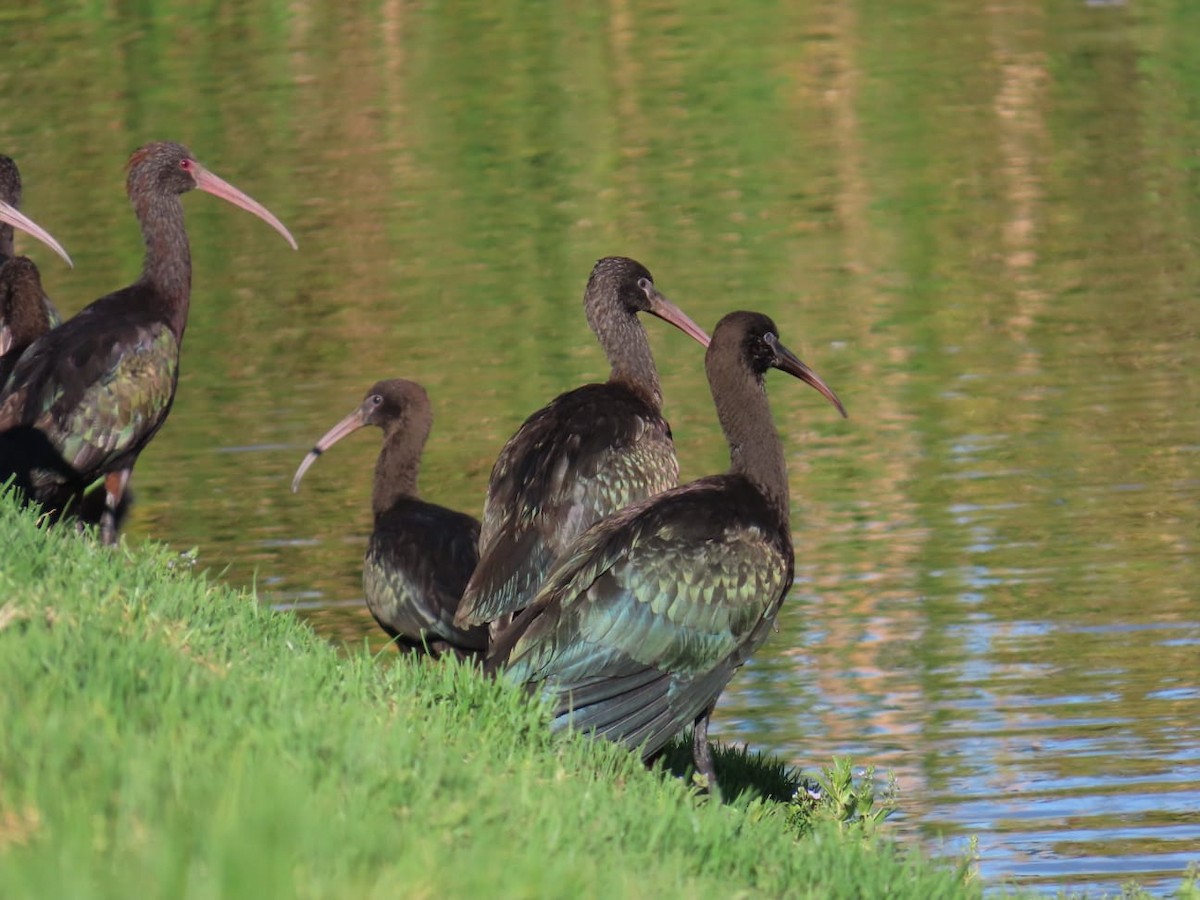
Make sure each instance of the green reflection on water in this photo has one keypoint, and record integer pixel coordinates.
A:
(979, 223)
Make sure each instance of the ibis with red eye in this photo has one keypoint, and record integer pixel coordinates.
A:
(86, 398)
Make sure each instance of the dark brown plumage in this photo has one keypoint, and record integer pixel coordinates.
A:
(87, 397)
(637, 631)
(12, 217)
(584, 456)
(420, 554)
(26, 313)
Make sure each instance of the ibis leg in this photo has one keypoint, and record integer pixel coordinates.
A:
(702, 753)
(114, 490)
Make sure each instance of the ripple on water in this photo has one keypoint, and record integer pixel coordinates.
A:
(1069, 745)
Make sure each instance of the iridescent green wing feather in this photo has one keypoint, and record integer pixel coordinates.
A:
(52, 315)
(572, 464)
(416, 567)
(103, 401)
(640, 628)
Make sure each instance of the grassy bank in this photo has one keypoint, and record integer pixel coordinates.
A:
(165, 736)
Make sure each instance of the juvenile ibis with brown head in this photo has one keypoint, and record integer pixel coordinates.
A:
(87, 397)
(585, 455)
(420, 555)
(642, 624)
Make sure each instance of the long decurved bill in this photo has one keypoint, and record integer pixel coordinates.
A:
(348, 425)
(790, 363)
(219, 187)
(18, 219)
(667, 311)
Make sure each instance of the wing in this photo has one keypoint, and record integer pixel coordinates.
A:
(588, 454)
(53, 318)
(639, 630)
(416, 567)
(97, 394)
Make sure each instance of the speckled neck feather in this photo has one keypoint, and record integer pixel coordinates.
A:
(168, 263)
(622, 338)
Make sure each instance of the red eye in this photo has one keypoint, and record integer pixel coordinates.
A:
(185, 164)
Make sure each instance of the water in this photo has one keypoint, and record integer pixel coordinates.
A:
(979, 224)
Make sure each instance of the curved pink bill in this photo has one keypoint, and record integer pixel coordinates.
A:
(790, 363)
(18, 219)
(667, 311)
(218, 187)
(348, 425)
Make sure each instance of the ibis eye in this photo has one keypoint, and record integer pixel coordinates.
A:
(645, 284)
(376, 399)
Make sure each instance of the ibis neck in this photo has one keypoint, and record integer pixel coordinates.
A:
(627, 348)
(23, 302)
(397, 469)
(167, 268)
(755, 450)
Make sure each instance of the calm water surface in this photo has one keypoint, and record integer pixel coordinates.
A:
(979, 222)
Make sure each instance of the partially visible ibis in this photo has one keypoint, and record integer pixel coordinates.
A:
(585, 455)
(86, 398)
(420, 555)
(11, 216)
(26, 313)
(637, 631)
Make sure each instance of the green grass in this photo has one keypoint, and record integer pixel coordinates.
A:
(166, 736)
